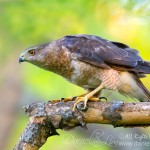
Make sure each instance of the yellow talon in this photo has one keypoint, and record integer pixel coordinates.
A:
(87, 97)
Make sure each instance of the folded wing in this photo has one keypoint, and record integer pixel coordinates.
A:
(106, 54)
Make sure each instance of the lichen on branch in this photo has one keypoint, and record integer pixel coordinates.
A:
(46, 118)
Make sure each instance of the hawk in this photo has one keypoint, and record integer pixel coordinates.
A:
(93, 63)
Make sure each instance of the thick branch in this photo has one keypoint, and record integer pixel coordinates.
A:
(45, 118)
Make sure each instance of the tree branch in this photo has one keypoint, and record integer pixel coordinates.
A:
(46, 118)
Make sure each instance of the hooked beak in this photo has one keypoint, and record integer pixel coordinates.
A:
(21, 58)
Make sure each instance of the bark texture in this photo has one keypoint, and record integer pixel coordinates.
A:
(46, 118)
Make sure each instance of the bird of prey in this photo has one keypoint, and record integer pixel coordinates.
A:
(93, 63)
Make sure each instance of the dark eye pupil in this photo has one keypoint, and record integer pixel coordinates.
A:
(31, 52)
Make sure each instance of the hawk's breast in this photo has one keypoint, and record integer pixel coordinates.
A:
(90, 77)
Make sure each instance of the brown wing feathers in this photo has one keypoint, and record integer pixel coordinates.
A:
(103, 53)
(106, 54)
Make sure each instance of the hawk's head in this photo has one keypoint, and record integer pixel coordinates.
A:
(46, 56)
(36, 54)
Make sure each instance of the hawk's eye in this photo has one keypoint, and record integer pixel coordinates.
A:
(32, 52)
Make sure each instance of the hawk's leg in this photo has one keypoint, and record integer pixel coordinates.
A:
(96, 99)
(87, 97)
(93, 98)
(75, 97)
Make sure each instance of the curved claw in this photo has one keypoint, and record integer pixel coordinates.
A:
(74, 98)
(81, 107)
(103, 98)
(87, 96)
(80, 99)
(62, 99)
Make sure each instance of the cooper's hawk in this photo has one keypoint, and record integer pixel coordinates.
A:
(93, 63)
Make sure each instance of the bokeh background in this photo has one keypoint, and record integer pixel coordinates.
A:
(25, 23)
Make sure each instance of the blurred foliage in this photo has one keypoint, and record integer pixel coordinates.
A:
(24, 23)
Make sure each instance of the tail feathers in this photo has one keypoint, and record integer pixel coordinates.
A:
(143, 67)
(146, 64)
(144, 89)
